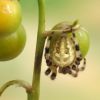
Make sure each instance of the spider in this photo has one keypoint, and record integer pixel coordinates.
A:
(62, 51)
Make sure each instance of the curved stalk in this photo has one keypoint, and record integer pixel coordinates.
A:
(20, 83)
(38, 53)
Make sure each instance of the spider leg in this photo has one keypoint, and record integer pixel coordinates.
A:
(83, 65)
(79, 57)
(68, 69)
(64, 70)
(77, 69)
(47, 51)
(47, 56)
(74, 69)
(77, 48)
(60, 70)
(74, 73)
(51, 67)
(48, 71)
(54, 72)
(76, 63)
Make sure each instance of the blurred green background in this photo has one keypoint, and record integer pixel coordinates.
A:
(65, 87)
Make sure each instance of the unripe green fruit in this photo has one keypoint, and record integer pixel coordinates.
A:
(10, 16)
(11, 46)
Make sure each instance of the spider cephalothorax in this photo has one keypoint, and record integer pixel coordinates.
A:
(62, 51)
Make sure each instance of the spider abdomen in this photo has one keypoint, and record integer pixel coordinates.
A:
(63, 52)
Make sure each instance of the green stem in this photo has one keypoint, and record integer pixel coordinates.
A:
(38, 53)
(30, 96)
(20, 83)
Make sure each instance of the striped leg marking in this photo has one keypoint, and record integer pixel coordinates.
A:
(77, 48)
(53, 70)
(47, 56)
(75, 65)
(47, 52)
(78, 54)
(81, 68)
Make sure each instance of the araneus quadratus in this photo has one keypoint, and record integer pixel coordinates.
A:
(62, 51)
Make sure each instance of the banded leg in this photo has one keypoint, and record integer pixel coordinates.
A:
(77, 49)
(78, 53)
(76, 63)
(68, 69)
(82, 67)
(47, 51)
(53, 70)
(74, 69)
(47, 56)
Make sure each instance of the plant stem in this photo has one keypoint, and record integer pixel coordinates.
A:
(38, 53)
(29, 96)
(20, 83)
